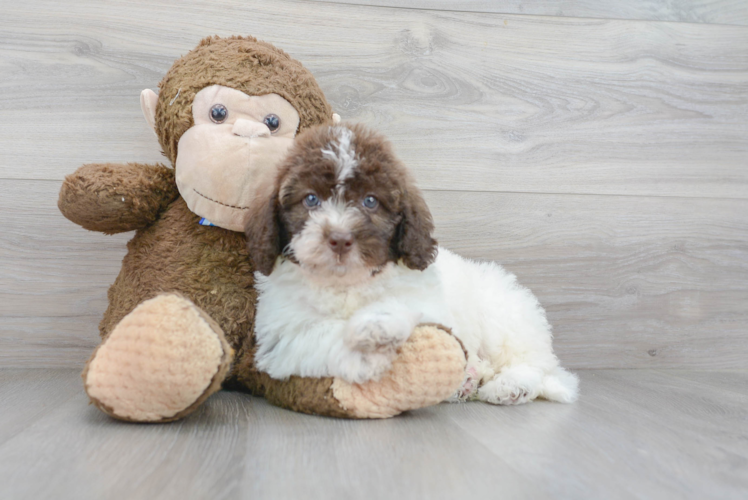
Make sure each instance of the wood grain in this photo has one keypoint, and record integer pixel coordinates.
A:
(677, 437)
(607, 168)
(47, 251)
(634, 433)
(49, 341)
(684, 11)
(627, 281)
(473, 101)
(31, 395)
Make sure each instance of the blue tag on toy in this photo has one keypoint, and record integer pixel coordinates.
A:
(206, 222)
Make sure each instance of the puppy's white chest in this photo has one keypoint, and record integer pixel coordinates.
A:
(306, 328)
(338, 303)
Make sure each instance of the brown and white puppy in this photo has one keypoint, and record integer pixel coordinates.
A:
(344, 206)
(352, 267)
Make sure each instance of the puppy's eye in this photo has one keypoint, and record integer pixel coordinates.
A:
(311, 200)
(219, 113)
(272, 121)
(370, 202)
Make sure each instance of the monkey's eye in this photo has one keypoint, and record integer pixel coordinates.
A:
(370, 202)
(311, 200)
(218, 113)
(272, 121)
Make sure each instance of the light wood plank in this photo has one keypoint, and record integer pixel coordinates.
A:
(634, 433)
(683, 11)
(677, 441)
(472, 101)
(51, 251)
(78, 452)
(29, 395)
(627, 281)
(734, 381)
(50, 341)
(236, 445)
(417, 455)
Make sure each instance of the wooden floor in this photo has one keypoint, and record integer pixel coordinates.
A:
(634, 433)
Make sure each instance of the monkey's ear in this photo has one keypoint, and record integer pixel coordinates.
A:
(335, 118)
(148, 101)
(414, 243)
(265, 234)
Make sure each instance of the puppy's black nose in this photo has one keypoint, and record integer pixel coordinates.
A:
(340, 242)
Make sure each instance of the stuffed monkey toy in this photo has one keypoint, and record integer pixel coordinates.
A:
(180, 316)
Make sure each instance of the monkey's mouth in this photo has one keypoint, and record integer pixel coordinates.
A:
(218, 202)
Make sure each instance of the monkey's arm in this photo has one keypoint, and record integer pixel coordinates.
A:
(114, 198)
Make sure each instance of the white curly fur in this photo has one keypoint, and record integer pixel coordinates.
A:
(314, 328)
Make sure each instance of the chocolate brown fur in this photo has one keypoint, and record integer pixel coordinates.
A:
(399, 228)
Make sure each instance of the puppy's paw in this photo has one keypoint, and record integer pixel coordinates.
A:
(513, 386)
(363, 367)
(379, 331)
(429, 367)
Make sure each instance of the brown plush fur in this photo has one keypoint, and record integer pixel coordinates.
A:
(208, 265)
(170, 251)
(116, 198)
(242, 63)
(306, 395)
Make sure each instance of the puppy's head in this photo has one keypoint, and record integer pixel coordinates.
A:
(343, 206)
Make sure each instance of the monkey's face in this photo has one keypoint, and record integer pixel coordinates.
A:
(225, 116)
(230, 155)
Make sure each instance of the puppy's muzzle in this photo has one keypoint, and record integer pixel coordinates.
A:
(340, 242)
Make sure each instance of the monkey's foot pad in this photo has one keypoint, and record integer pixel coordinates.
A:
(428, 370)
(159, 363)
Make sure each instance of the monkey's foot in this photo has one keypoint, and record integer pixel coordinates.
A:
(428, 370)
(159, 363)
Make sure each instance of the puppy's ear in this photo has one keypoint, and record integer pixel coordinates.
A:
(413, 241)
(265, 234)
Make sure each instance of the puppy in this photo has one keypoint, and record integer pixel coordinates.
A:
(351, 267)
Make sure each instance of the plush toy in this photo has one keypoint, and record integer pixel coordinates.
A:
(180, 316)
